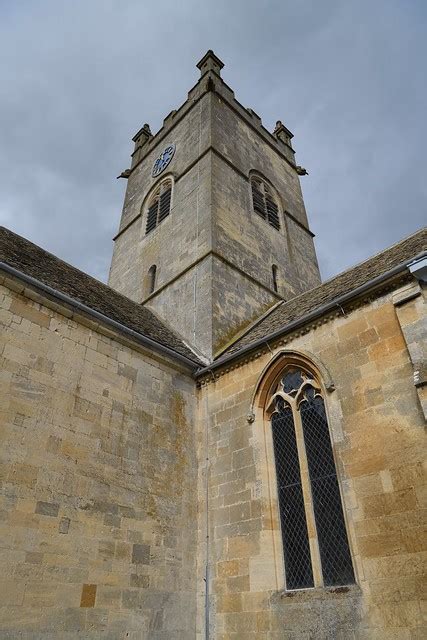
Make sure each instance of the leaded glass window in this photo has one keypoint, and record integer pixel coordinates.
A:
(296, 546)
(159, 205)
(264, 203)
(302, 442)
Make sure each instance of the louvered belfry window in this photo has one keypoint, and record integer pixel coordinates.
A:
(264, 203)
(159, 207)
(301, 442)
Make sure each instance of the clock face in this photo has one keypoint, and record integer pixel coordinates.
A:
(163, 160)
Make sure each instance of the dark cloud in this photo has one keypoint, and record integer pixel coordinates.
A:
(79, 78)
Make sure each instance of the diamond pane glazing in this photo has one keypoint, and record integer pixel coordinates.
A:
(331, 531)
(296, 547)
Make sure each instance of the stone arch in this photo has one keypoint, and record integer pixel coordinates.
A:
(157, 204)
(274, 368)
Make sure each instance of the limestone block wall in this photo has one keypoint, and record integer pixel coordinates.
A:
(377, 428)
(189, 130)
(185, 235)
(239, 234)
(97, 470)
(244, 147)
(237, 301)
(187, 305)
(210, 303)
(244, 238)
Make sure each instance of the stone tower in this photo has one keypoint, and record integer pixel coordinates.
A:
(214, 230)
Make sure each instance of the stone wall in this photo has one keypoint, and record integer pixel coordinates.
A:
(97, 497)
(377, 429)
(99, 535)
(184, 236)
(189, 302)
(235, 299)
(242, 236)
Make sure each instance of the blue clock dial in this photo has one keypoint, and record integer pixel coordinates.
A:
(163, 160)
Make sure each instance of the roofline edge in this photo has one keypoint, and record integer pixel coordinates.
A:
(312, 315)
(138, 337)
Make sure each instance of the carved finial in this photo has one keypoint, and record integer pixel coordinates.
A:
(210, 62)
(282, 133)
(142, 135)
(140, 138)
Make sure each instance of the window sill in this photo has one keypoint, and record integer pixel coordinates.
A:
(319, 593)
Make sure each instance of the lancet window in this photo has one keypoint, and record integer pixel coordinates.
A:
(152, 271)
(315, 543)
(274, 277)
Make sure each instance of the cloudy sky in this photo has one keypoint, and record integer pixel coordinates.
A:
(79, 78)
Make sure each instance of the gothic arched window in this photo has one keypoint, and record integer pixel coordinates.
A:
(307, 485)
(159, 205)
(264, 202)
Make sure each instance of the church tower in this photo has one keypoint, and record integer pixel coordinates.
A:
(214, 230)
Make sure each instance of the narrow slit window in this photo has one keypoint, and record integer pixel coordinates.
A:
(159, 206)
(152, 271)
(274, 277)
(301, 438)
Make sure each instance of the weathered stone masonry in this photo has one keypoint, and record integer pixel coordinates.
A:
(378, 434)
(98, 469)
(138, 485)
(212, 244)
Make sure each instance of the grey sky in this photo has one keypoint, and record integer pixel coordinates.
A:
(79, 78)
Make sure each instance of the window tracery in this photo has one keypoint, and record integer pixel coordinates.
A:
(302, 447)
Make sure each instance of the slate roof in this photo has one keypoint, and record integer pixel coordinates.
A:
(37, 263)
(343, 283)
(33, 261)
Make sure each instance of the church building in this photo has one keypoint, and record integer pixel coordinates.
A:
(216, 445)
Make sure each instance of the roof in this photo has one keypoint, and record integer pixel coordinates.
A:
(31, 260)
(34, 262)
(359, 275)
